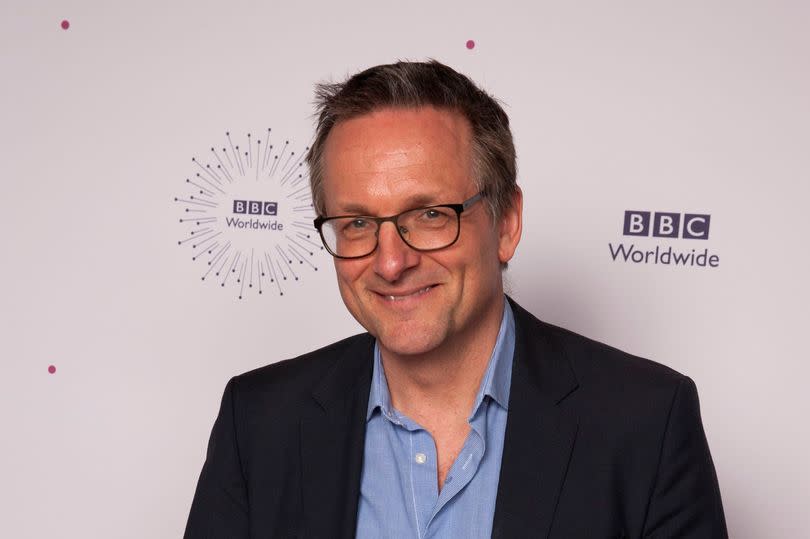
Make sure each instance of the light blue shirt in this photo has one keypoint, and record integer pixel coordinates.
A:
(399, 496)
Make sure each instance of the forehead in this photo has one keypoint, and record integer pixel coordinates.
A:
(393, 154)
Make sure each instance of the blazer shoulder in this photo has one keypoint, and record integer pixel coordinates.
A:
(305, 372)
(596, 362)
(591, 357)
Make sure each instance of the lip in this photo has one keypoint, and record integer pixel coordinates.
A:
(407, 296)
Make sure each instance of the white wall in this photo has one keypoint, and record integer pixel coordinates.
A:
(682, 107)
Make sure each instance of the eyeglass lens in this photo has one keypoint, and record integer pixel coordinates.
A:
(421, 228)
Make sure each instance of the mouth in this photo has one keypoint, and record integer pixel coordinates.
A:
(403, 296)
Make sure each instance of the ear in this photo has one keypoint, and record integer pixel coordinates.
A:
(510, 227)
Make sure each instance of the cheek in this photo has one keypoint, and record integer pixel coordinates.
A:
(482, 250)
(348, 273)
(483, 271)
(474, 266)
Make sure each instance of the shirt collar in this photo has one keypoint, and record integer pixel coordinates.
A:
(495, 384)
(378, 397)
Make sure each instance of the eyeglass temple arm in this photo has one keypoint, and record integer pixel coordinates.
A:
(472, 200)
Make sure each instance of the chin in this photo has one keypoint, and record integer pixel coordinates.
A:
(410, 340)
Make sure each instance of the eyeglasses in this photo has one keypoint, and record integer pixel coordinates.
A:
(423, 229)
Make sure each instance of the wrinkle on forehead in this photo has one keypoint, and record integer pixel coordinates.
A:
(398, 138)
(381, 160)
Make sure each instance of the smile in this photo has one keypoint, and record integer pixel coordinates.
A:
(401, 297)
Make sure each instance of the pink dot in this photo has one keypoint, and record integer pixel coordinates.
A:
(470, 44)
(51, 369)
(65, 24)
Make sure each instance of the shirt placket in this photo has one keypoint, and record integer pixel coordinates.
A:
(419, 463)
(466, 464)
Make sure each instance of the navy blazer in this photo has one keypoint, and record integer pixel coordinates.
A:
(599, 444)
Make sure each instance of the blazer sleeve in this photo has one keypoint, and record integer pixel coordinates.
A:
(685, 500)
(220, 506)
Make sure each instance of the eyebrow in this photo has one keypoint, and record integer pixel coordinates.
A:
(416, 201)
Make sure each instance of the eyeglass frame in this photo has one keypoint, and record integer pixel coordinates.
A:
(458, 208)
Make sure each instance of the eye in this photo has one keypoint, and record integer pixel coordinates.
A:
(432, 216)
(355, 224)
(354, 227)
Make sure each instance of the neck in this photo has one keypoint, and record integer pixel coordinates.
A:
(446, 379)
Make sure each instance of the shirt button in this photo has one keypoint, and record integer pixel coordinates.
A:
(421, 458)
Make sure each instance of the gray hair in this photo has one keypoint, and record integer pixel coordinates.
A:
(415, 85)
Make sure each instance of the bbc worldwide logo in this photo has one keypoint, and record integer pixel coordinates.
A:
(665, 226)
(246, 215)
(255, 207)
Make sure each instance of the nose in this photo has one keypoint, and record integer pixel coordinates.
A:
(393, 256)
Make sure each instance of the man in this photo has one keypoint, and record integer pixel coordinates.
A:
(458, 414)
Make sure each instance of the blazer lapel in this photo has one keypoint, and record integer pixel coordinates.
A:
(540, 433)
(332, 442)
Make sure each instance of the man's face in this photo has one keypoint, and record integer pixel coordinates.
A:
(414, 302)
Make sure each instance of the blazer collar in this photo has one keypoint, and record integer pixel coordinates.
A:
(540, 432)
(332, 442)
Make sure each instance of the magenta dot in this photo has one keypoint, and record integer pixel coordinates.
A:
(65, 24)
(51, 369)
(470, 44)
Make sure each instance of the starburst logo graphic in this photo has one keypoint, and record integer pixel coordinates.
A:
(247, 216)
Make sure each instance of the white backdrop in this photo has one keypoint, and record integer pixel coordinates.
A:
(687, 107)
